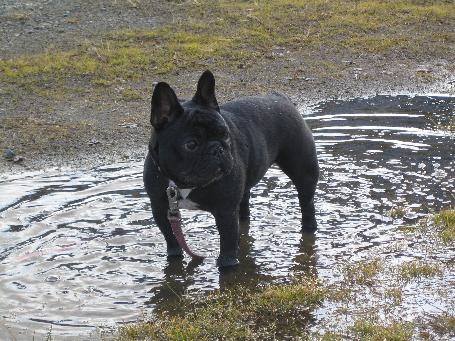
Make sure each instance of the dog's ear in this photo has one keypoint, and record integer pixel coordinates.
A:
(165, 106)
(205, 93)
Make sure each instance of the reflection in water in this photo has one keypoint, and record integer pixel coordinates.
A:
(247, 273)
(79, 249)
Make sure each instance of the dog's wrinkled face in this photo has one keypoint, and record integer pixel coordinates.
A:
(191, 140)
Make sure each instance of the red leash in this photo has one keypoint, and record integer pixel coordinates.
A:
(175, 219)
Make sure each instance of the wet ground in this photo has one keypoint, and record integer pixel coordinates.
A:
(79, 250)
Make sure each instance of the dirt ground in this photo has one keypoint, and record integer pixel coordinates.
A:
(84, 126)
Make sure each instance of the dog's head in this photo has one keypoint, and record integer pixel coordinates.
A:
(191, 141)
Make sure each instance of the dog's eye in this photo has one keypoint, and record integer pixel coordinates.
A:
(191, 145)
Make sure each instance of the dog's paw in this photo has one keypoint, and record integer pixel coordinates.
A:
(226, 261)
(174, 252)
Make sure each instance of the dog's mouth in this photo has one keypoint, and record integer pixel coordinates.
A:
(189, 180)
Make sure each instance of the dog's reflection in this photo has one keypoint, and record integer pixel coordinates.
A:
(247, 272)
(180, 277)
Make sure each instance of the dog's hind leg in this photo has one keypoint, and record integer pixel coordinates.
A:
(244, 214)
(301, 166)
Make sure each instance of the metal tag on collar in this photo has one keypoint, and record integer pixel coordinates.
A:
(172, 197)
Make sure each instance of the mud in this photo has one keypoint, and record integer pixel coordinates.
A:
(87, 130)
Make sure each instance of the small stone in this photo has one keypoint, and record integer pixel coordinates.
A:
(93, 142)
(423, 69)
(9, 154)
(52, 279)
(128, 125)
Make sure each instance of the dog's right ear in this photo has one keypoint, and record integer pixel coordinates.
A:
(205, 94)
(165, 106)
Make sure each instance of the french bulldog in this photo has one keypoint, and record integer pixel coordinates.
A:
(215, 154)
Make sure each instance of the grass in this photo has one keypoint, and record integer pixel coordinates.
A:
(395, 295)
(444, 324)
(275, 311)
(372, 330)
(131, 95)
(417, 270)
(445, 224)
(278, 312)
(439, 226)
(230, 34)
(397, 212)
(408, 229)
(363, 272)
(363, 304)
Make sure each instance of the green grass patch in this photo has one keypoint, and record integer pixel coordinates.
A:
(227, 34)
(445, 223)
(395, 295)
(131, 95)
(372, 330)
(276, 311)
(101, 82)
(363, 272)
(284, 311)
(408, 229)
(417, 270)
(39, 134)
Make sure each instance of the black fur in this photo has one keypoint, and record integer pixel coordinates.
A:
(235, 145)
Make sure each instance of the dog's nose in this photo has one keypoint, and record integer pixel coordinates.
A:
(216, 149)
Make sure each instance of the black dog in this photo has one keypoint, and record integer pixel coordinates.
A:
(217, 154)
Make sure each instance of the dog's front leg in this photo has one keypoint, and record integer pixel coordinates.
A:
(227, 223)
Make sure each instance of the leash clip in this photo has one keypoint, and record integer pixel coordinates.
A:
(172, 197)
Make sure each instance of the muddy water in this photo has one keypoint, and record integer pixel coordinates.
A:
(79, 252)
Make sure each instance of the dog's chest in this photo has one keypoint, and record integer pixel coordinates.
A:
(184, 202)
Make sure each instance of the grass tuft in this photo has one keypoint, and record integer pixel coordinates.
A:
(397, 212)
(444, 324)
(418, 270)
(363, 272)
(408, 229)
(375, 331)
(131, 95)
(445, 223)
(395, 295)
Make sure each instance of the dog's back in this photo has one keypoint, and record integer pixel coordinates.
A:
(272, 130)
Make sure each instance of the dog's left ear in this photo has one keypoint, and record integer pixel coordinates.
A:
(205, 93)
(165, 106)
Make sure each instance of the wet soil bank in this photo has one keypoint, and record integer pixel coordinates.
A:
(94, 112)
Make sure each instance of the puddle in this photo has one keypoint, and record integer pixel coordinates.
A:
(79, 251)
